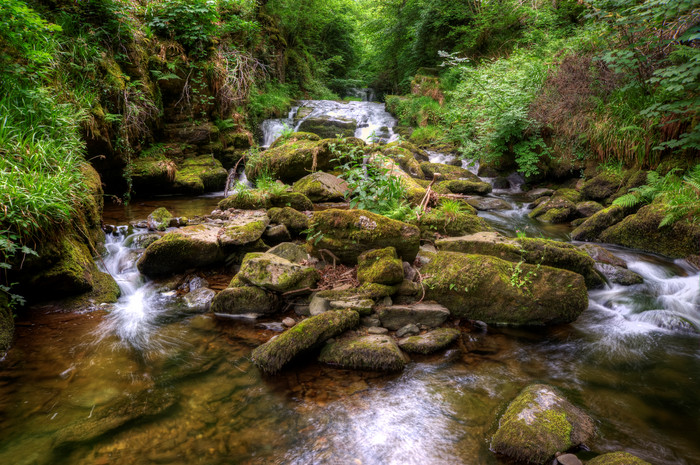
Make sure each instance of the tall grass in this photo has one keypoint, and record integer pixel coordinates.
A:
(40, 158)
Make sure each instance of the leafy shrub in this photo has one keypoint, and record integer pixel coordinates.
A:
(190, 22)
(273, 102)
(426, 135)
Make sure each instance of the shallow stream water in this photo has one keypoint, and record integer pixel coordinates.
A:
(147, 382)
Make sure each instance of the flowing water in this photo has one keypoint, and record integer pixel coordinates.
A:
(149, 380)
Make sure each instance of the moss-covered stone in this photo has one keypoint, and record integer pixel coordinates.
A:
(430, 342)
(373, 352)
(295, 253)
(617, 458)
(243, 300)
(602, 186)
(451, 223)
(201, 174)
(460, 186)
(328, 127)
(381, 266)
(293, 137)
(190, 247)
(427, 314)
(418, 153)
(365, 291)
(558, 209)
(294, 160)
(152, 174)
(159, 219)
(591, 229)
(256, 199)
(348, 233)
(322, 187)
(447, 172)
(405, 159)
(496, 291)
(641, 231)
(305, 335)
(244, 228)
(488, 203)
(538, 424)
(67, 269)
(275, 273)
(588, 208)
(294, 220)
(7, 325)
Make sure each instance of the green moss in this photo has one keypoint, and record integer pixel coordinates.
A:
(380, 266)
(200, 174)
(274, 354)
(591, 229)
(372, 291)
(617, 458)
(378, 353)
(72, 273)
(496, 291)
(459, 186)
(447, 172)
(405, 159)
(160, 218)
(256, 199)
(451, 223)
(557, 209)
(293, 137)
(104, 290)
(189, 247)
(242, 299)
(347, 233)
(322, 187)
(294, 220)
(276, 273)
(233, 235)
(602, 186)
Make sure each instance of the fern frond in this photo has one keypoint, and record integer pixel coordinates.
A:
(628, 200)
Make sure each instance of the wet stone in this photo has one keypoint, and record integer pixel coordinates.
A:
(370, 321)
(408, 330)
(398, 316)
(200, 299)
(430, 342)
(289, 322)
(377, 330)
(568, 459)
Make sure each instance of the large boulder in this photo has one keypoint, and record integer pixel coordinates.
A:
(451, 223)
(427, 314)
(381, 266)
(529, 250)
(372, 352)
(560, 208)
(591, 229)
(241, 299)
(322, 187)
(189, 247)
(329, 127)
(159, 219)
(293, 137)
(200, 174)
(538, 424)
(275, 273)
(348, 233)
(294, 160)
(307, 334)
(430, 342)
(602, 186)
(243, 228)
(293, 219)
(617, 458)
(405, 159)
(466, 187)
(642, 231)
(489, 203)
(496, 291)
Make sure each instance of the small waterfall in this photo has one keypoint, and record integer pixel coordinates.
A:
(374, 123)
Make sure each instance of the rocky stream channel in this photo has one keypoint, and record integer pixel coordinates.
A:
(159, 378)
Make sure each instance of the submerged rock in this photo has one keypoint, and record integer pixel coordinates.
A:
(322, 187)
(381, 266)
(347, 233)
(538, 424)
(619, 275)
(373, 352)
(496, 291)
(430, 342)
(305, 335)
(617, 458)
(427, 314)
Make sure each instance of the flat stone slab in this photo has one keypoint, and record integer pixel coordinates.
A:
(430, 342)
(427, 314)
(244, 227)
(373, 352)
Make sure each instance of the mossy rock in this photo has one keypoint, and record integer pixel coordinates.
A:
(256, 199)
(372, 352)
(560, 208)
(189, 247)
(381, 266)
(244, 300)
(244, 228)
(451, 224)
(591, 229)
(239, 139)
(294, 160)
(447, 172)
(295, 253)
(538, 424)
(428, 314)
(275, 273)
(460, 186)
(496, 291)
(322, 187)
(199, 175)
(588, 208)
(602, 186)
(7, 325)
(348, 233)
(307, 334)
(617, 458)
(371, 291)
(67, 269)
(191, 132)
(152, 174)
(159, 219)
(294, 137)
(418, 153)
(642, 231)
(405, 158)
(328, 127)
(488, 203)
(430, 342)
(294, 220)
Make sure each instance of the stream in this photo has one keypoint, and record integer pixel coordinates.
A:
(151, 380)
